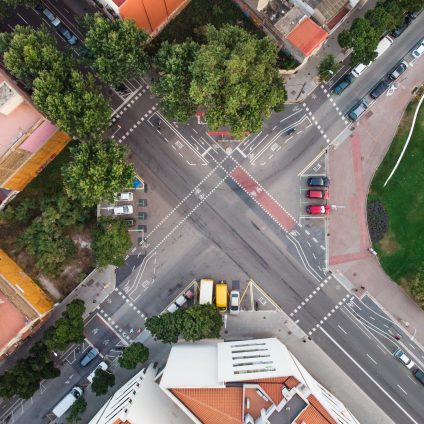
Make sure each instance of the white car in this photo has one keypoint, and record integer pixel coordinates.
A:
(102, 365)
(418, 50)
(125, 196)
(400, 355)
(234, 302)
(123, 210)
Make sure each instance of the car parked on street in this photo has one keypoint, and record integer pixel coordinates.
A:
(419, 375)
(418, 49)
(89, 356)
(398, 70)
(342, 84)
(357, 110)
(52, 18)
(234, 302)
(318, 182)
(123, 210)
(317, 194)
(102, 365)
(402, 357)
(379, 89)
(125, 196)
(398, 31)
(66, 34)
(318, 209)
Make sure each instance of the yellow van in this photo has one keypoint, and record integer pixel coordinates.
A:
(221, 296)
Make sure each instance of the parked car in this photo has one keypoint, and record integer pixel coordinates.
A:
(66, 34)
(398, 31)
(342, 84)
(318, 209)
(123, 210)
(357, 110)
(413, 15)
(398, 70)
(234, 302)
(317, 194)
(89, 356)
(418, 49)
(402, 357)
(379, 89)
(102, 365)
(419, 375)
(318, 182)
(125, 196)
(52, 18)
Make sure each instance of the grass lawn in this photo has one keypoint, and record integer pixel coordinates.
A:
(401, 250)
(202, 12)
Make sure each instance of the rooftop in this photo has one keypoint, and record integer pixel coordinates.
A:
(307, 36)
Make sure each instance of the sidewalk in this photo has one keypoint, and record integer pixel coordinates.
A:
(301, 84)
(250, 325)
(352, 166)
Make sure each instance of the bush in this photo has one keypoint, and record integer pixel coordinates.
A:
(328, 67)
(102, 381)
(79, 407)
(378, 220)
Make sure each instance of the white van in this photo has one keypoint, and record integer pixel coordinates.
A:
(383, 45)
(206, 291)
(67, 401)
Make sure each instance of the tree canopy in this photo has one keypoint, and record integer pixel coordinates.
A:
(133, 355)
(328, 67)
(111, 241)
(194, 323)
(97, 170)
(115, 48)
(77, 408)
(102, 381)
(381, 20)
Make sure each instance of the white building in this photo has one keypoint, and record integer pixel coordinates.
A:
(252, 382)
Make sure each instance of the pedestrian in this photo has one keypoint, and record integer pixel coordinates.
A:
(363, 287)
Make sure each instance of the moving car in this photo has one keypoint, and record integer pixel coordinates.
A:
(398, 70)
(379, 89)
(400, 355)
(125, 196)
(102, 365)
(419, 375)
(89, 356)
(318, 209)
(357, 110)
(234, 302)
(418, 49)
(318, 182)
(317, 194)
(342, 84)
(123, 210)
(66, 34)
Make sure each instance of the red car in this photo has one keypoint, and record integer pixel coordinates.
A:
(317, 194)
(318, 209)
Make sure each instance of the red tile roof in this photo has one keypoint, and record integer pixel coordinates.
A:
(307, 36)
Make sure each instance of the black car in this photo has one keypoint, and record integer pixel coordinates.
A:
(419, 375)
(318, 182)
(379, 89)
(413, 15)
(342, 84)
(398, 31)
(398, 70)
(66, 34)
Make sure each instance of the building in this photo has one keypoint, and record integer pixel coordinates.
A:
(251, 381)
(23, 305)
(151, 15)
(28, 141)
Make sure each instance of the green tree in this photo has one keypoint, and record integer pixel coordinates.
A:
(115, 49)
(111, 242)
(363, 39)
(200, 322)
(97, 170)
(77, 408)
(381, 20)
(67, 329)
(102, 381)
(133, 355)
(396, 11)
(163, 327)
(328, 67)
(73, 102)
(235, 79)
(28, 51)
(173, 87)
(411, 5)
(416, 288)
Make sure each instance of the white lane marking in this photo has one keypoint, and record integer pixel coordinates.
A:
(342, 329)
(381, 349)
(372, 359)
(401, 389)
(412, 379)
(369, 376)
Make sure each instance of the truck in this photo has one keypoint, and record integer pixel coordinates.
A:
(67, 401)
(221, 296)
(206, 291)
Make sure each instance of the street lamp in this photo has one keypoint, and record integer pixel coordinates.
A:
(407, 324)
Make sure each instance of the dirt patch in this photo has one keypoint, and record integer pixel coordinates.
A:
(389, 245)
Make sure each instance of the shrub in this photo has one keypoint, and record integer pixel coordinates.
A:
(378, 220)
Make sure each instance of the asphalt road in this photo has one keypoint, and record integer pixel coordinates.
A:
(228, 216)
